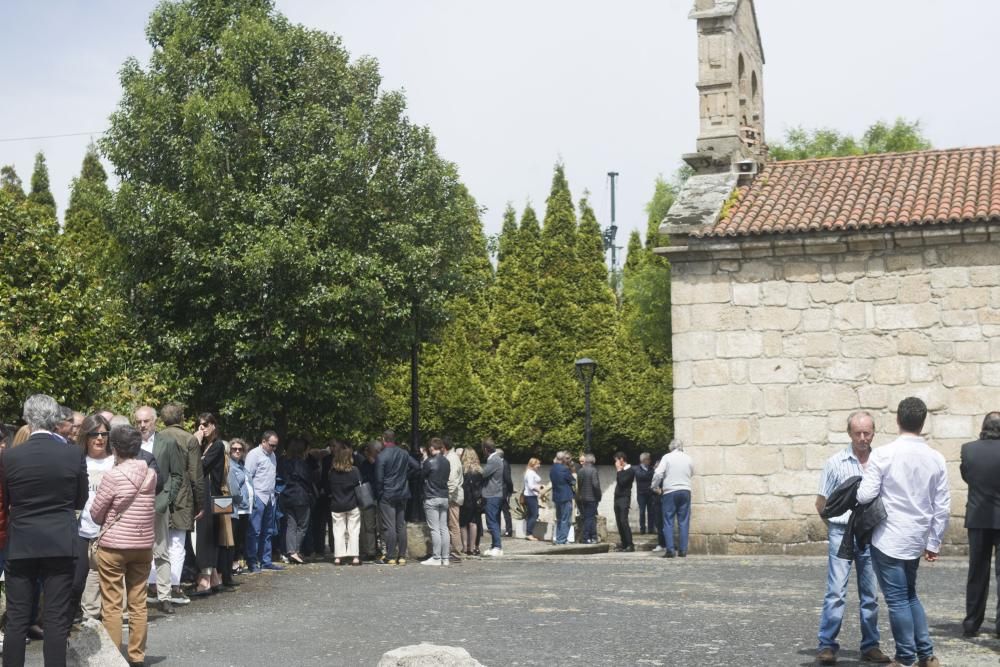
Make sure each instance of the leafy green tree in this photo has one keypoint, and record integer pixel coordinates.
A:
(89, 200)
(40, 193)
(10, 182)
(285, 222)
(801, 144)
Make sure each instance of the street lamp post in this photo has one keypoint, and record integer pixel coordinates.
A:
(585, 369)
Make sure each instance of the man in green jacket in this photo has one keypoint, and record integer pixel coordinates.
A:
(186, 507)
(171, 462)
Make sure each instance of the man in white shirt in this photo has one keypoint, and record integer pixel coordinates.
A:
(845, 464)
(262, 466)
(672, 480)
(912, 480)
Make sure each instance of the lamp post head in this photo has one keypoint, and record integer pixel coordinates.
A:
(585, 369)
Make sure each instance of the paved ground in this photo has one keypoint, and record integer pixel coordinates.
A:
(606, 609)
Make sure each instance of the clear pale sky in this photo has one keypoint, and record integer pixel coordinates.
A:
(510, 88)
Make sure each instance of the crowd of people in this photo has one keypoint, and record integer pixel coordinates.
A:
(104, 513)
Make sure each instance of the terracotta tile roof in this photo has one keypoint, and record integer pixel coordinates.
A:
(866, 192)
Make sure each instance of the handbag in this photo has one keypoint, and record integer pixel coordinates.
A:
(366, 498)
(108, 525)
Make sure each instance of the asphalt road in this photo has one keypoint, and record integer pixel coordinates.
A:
(630, 609)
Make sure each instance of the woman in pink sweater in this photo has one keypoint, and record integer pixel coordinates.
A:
(123, 506)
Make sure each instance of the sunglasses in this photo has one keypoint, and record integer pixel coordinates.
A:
(236, 449)
(97, 434)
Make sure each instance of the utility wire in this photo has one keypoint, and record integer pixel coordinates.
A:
(51, 136)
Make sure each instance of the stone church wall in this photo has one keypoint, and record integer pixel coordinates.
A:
(776, 342)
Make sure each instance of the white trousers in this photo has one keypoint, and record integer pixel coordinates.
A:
(346, 529)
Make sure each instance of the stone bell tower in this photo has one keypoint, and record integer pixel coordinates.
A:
(730, 85)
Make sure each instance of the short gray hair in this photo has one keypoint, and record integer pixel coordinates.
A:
(120, 420)
(676, 444)
(645, 456)
(126, 440)
(42, 412)
(858, 413)
(590, 458)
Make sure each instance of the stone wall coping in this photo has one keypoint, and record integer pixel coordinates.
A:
(689, 249)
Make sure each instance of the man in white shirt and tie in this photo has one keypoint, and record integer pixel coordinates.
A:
(912, 480)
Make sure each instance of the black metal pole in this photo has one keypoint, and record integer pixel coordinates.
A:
(586, 415)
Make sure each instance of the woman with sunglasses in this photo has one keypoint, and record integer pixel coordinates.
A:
(93, 439)
(239, 486)
(213, 464)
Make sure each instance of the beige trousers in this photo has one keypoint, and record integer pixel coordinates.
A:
(453, 530)
(132, 565)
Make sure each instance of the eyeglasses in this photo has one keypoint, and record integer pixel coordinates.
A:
(236, 449)
(97, 434)
(204, 425)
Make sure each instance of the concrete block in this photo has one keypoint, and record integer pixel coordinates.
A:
(921, 370)
(719, 316)
(428, 655)
(990, 374)
(908, 316)
(791, 430)
(773, 371)
(984, 276)
(805, 272)
(819, 344)
(959, 375)
(710, 372)
(694, 345)
(418, 540)
(884, 288)
(776, 318)
(720, 431)
(953, 426)
(829, 292)
(746, 294)
(914, 289)
(867, 345)
(949, 277)
(893, 370)
(741, 344)
(717, 518)
(966, 298)
(774, 294)
(912, 342)
(849, 316)
(976, 351)
(816, 319)
(752, 460)
(91, 646)
(763, 508)
(821, 397)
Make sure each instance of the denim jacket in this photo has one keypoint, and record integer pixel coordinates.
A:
(239, 486)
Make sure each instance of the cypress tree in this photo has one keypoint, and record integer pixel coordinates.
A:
(635, 253)
(88, 200)
(40, 193)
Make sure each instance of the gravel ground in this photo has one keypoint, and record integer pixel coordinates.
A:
(601, 609)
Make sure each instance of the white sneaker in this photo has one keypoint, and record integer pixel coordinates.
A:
(430, 561)
(494, 552)
(657, 548)
(445, 561)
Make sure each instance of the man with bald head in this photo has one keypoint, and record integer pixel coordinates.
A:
(849, 462)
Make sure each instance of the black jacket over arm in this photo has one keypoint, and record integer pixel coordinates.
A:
(981, 471)
(45, 483)
(863, 519)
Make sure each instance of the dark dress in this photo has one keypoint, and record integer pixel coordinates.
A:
(213, 465)
(472, 507)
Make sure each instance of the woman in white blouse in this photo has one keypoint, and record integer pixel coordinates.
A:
(532, 487)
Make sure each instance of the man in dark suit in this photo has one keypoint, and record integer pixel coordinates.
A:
(981, 471)
(588, 484)
(45, 482)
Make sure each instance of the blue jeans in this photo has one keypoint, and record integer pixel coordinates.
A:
(898, 580)
(588, 508)
(493, 520)
(676, 505)
(530, 514)
(838, 574)
(564, 509)
(259, 534)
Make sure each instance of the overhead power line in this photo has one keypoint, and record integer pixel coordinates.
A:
(51, 136)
